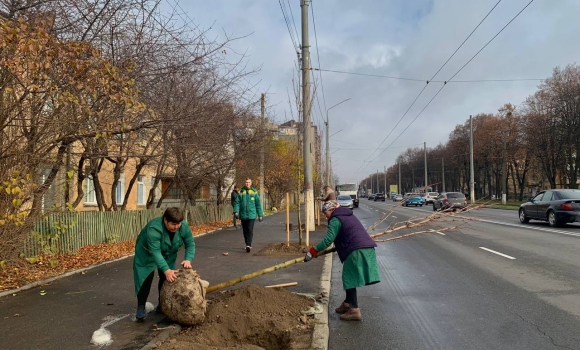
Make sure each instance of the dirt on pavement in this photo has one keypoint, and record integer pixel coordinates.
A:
(250, 318)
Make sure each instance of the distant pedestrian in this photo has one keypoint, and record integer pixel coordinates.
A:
(156, 248)
(356, 250)
(247, 208)
(233, 200)
(329, 194)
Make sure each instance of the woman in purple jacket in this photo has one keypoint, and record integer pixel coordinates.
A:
(356, 250)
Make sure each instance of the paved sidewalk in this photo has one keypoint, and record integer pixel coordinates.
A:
(64, 313)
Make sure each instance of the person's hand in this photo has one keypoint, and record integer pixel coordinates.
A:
(260, 219)
(186, 264)
(236, 215)
(310, 254)
(171, 275)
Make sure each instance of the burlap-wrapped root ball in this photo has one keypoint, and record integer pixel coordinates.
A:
(183, 300)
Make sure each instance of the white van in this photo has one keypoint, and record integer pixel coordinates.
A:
(431, 196)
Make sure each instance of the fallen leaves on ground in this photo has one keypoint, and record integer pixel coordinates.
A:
(210, 227)
(18, 273)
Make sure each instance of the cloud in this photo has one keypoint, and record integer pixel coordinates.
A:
(406, 39)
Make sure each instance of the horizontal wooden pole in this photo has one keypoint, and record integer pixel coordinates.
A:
(243, 278)
(281, 285)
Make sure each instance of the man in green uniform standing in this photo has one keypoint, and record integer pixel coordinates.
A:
(247, 208)
(356, 250)
(156, 248)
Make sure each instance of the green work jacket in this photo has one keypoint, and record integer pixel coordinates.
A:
(154, 249)
(248, 204)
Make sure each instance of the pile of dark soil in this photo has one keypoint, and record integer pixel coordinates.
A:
(250, 318)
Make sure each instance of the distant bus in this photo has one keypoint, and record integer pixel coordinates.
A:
(349, 189)
(423, 189)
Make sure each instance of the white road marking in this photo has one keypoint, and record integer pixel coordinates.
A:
(498, 253)
(530, 227)
(441, 233)
(512, 225)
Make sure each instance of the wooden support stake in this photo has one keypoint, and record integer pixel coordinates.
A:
(289, 284)
(287, 219)
(317, 211)
(307, 207)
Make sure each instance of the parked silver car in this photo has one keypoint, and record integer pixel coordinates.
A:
(450, 200)
(345, 201)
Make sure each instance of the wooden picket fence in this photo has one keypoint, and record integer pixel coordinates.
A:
(61, 233)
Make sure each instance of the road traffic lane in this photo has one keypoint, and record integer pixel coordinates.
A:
(437, 294)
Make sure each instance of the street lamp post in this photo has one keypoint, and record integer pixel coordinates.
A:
(328, 143)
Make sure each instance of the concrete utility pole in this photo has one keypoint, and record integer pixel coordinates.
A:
(327, 180)
(385, 177)
(443, 174)
(332, 184)
(263, 103)
(504, 172)
(328, 143)
(471, 171)
(426, 180)
(378, 188)
(308, 190)
(399, 189)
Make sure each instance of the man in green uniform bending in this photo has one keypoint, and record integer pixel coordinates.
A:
(157, 246)
(356, 250)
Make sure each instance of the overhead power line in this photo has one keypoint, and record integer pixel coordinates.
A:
(426, 80)
(287, 20)
(469, 36)
(293, 21)
(318, 54)
(425, 86)
(460, 69)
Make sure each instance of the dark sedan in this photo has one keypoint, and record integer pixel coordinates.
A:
(557, 207)
(379, 197)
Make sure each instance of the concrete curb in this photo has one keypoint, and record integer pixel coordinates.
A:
(163, 336)
(321, 333)
(48, 280)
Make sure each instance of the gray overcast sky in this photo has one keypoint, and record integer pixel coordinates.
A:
(403, 38)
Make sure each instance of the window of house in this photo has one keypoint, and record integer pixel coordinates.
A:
(121, 189)
(173, 192)
(141, 190)
(90, 195)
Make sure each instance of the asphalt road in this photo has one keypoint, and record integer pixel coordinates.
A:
(491, 284)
